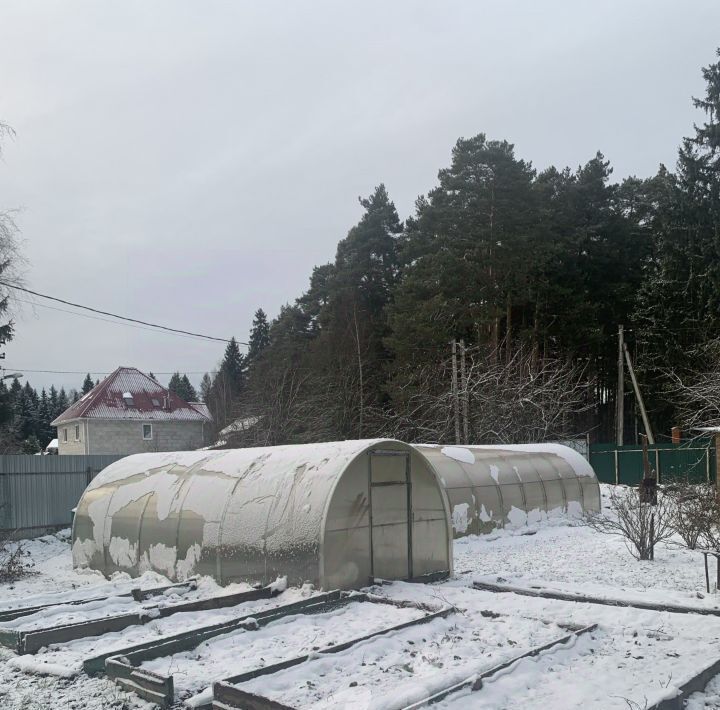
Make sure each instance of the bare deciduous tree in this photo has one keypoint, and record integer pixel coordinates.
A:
(640, 524)
(696, 393)
(518, 400)
(696, 514)
(15, 562)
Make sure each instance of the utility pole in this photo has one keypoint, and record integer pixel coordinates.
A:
(455, 397)
(465, 395)
(620, 396)
(638, 396)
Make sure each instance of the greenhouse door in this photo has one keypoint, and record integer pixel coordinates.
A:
(390, 502)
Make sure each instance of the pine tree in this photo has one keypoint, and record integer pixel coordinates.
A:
(87, 384)
(468, 251)
(259, 335)
(679, 302)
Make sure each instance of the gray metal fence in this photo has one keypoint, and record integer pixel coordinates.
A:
(37, 493)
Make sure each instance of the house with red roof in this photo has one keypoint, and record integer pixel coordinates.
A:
(129, 413)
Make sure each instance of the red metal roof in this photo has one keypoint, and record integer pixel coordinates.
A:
(148, 400)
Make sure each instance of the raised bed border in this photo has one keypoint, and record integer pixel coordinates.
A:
(696, 684)
(227, 696)
(159, 689)
(137, 594)
(187, 640)
(32, 641)
(589, 599)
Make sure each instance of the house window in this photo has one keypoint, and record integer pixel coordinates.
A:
(65, 434)
(77, 432)
(147, 431)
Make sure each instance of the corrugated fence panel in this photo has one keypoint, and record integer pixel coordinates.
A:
(39, 492)
(693, 461)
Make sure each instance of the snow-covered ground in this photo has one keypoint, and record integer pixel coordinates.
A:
(631, 660)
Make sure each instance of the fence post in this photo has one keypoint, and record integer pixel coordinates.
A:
(707, 464)
(657, 465)
(617, 467)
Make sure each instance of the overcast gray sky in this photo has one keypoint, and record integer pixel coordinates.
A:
(187, 162)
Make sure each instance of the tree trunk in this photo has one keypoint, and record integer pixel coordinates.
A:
(508, 329)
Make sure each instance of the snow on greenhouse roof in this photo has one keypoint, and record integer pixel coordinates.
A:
(128, 393)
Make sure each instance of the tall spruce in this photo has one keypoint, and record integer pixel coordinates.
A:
(679, 303)
(87, 384)
(182, 387)
(259, 335)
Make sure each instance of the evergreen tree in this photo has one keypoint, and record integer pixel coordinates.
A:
(31, 445)
(87, 384)
(62, 402)
(205, 387)
(15, 390)
(679, 302)
(53, 403)
(182, 387)
(468, 251)
(6, 409)
(25, 417)
(227, 385)
(259, 335)
(44, 432)
(188, 391)
(174, 384)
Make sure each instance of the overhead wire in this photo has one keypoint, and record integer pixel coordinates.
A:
(115, 315)
(105, 320)
(93, 372)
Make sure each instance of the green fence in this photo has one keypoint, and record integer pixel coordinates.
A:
(693, 460)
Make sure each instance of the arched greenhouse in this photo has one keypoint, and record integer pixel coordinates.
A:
(509, 486)
(334, 514)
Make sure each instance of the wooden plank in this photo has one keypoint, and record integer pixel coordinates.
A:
(262, 703)
(32, 641)
(696, 684)
(137, 594)
(582, 598)
(228, 697)
(283, 665)
(475, 682)
(123, 667)
(187, 640)
(10, 639)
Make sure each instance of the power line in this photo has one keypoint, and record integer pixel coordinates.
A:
(105, 320)
(93, 372)
(114, 315)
